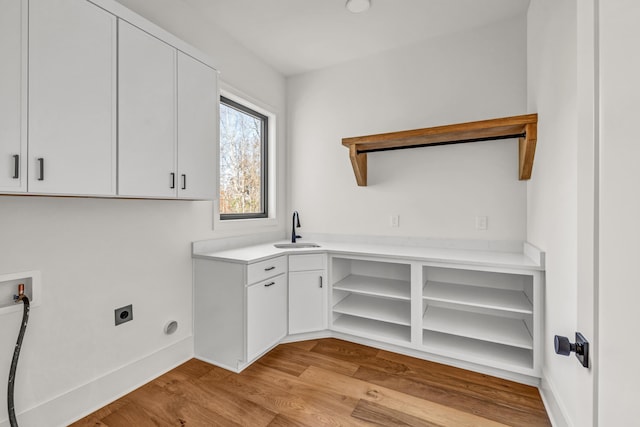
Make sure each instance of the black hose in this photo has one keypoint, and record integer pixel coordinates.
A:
(14, 362)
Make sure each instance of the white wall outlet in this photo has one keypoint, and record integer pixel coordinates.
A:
(394, 221)
(482, 223)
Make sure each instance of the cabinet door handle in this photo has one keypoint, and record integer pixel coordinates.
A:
(269, 284)
(320, 281)
(269, 268)
(173, 180)
(16, 166)
(184, 181)
(41, 168)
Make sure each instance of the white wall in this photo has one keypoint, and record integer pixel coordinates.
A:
(98, 254)
(619, 291)
(437, 191)
(552, 192)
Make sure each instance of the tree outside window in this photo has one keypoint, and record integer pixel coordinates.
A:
(243, 154)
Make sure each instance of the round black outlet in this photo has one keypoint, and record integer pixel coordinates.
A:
(124, 314)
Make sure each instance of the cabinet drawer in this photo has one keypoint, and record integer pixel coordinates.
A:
(265, 269)
(306, 262)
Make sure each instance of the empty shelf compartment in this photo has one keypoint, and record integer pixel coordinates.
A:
(385, 310)
(376, 286)
(478, 296)
(374, 329)
(500, 330)
(498, 355)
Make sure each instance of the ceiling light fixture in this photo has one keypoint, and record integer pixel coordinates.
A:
(358, 6)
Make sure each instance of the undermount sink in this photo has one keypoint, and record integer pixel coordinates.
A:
(296, 245)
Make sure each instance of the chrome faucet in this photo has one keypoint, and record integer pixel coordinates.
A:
(295, 222)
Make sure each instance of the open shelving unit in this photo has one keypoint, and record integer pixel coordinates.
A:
(372, 299)
(485, 315)
(524, 128)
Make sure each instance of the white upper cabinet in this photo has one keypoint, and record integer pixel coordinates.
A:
(147, 115)
(13, 142)
(72, 98)
(168, 120)
(198, 102)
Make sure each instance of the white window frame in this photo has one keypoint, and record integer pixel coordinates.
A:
(250, 224)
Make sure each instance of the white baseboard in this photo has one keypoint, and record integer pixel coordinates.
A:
(81, 401)
(555, 408)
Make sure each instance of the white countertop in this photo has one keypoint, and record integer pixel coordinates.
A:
(255, 253)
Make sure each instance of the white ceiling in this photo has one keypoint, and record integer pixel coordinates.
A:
(296, 36)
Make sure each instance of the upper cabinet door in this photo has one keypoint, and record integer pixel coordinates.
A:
(72, 98)
(13, 142)
(147, 115)
(198, 102)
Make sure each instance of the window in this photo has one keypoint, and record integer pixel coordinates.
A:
(243, 161)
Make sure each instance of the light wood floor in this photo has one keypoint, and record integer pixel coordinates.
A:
(325, 382)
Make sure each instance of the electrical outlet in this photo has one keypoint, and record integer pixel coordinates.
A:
(482, 223)
(124, 314)
(394, 220)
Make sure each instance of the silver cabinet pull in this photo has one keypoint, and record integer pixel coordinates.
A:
(269, 268)
(173, 180)
(269, 284)
(41, 168)
(16, 166)
(320, 281)
(184, 181)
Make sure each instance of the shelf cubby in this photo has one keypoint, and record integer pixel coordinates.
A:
(484, 327)
(381, 309)
(483, 352)
(508, 300)
(375, 286)
(373, 329)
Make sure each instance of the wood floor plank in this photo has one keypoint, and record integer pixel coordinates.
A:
(420, 408)
(519, 396)
(174, 410)
(303, 345)
(325, 382)
(294, 361)
(484, 407)
(453, 372)
(229, 406)
(131, 415)
(357, 354)
(284, 421)
(383, 416)
(287, 395)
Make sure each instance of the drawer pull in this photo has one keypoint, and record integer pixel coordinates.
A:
(320, 281)
(269, 284)
(269, 268)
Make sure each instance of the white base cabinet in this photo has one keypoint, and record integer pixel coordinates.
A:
(476, 310)
(307, 293)
(240, 310)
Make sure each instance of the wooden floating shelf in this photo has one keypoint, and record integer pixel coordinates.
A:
(524, 127)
